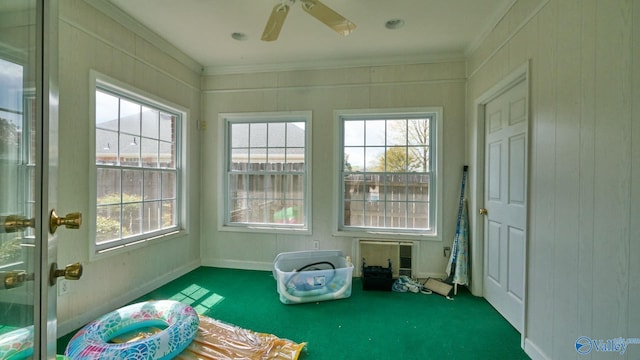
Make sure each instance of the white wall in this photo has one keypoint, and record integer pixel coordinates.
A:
(584, 185)
(90, 40)
(322, 92)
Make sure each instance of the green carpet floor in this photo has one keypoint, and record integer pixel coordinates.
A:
(367, 325)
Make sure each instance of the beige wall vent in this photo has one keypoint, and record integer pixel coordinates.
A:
(376, 252)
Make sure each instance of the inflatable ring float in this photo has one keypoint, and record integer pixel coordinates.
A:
(17, 344)
(180, 320)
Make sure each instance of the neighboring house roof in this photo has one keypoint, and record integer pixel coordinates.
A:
(277, 140)
(129, 139)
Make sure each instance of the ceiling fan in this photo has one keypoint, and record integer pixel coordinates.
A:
(315, 8)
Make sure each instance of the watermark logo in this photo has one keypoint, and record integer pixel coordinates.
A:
(585, 345)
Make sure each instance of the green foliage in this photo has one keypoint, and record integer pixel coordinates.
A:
(115, 199)
(108, 228)
(415, 157)
(397, 160)
(167, 215)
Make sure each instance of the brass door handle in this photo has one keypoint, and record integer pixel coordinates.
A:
(14, 223)
(14, 279)
(483, 211)
(70, 272)
(70, 221)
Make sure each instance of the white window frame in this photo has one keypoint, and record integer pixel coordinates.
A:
(99, 81)
(260, 117)
(436, 193)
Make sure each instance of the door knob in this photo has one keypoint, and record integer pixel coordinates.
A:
(15, 278)
(14, 223)
(70, 221)
(70, 272)
(483, 211)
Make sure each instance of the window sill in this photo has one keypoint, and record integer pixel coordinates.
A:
(265, 229)
(380, 235)
(120, 249)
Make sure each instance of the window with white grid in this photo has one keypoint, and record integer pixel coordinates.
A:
(267, 171)
(388, 172)
(137, 167)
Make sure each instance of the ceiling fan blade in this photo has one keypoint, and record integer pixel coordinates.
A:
(275, 22)
(329, 17)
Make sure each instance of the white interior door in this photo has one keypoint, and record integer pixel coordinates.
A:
(505, 235)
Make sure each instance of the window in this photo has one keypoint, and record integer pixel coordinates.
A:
(137, 167)
(388, 171)
(17, 161)
(267, 171)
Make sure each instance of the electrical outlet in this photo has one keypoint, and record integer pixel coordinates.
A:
(63, 287)
(446, 251)
(316, 244)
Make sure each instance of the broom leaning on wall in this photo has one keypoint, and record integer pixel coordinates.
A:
(458, 266)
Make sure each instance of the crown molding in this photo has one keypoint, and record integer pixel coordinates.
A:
(335, 64)
(491, 24)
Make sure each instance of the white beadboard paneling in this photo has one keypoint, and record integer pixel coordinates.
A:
(248, 101)
(634, 214)
(248, 247)
(522, 47)
(542, 261)
(133, 26)
(521, 11)
(323, 98)
(151, 54)
(501, 31)
(240, 81)
(584, 250)
(612, 169)
(110, 302)
(418, 72)
(565, 277)
(74, 246)
(405, 95)
(102, 28)
(587, 205)
(330, 77)
(85, 16)
(453, 95)
(88, 41)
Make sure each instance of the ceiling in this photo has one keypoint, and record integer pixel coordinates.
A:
(433, 30)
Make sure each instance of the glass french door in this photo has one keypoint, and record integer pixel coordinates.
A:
(28, 129)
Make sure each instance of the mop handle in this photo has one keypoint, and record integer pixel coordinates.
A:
(464, 180)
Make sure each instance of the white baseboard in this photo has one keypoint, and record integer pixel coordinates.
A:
(238, 264)
(264, 266)
(431, 275)
(72, 324)
(534, 352)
